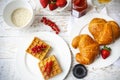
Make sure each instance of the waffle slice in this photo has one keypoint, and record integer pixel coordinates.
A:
(38, 54)
(55, 70)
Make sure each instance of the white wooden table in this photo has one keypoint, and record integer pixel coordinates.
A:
(9, 38)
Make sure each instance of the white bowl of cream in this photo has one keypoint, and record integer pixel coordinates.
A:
(18, 14)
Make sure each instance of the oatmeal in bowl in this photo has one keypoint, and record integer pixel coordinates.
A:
(18, 14)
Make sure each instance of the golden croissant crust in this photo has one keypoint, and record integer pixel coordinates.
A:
(89, 49)
(104, 32)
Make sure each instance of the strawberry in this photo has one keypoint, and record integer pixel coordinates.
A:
(105, 52)
(52, 5)
(61, 3)
(44, 3)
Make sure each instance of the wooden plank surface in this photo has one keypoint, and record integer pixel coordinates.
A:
(9, 38)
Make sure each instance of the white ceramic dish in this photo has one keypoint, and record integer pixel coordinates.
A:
(27, 65)
(81, 27)
(58, 9)
(13, 5)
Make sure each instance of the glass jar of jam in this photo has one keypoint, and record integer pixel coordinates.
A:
(79, 7)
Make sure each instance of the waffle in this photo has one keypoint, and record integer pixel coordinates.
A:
(37, 42)
(55, 67)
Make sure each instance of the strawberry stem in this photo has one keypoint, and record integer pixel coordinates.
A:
(52, 2)
(107, 48)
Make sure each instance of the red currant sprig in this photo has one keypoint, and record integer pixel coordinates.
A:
(37, 49)
(51, 24)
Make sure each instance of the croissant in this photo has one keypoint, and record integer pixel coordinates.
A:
(104, 32)
(89, 49)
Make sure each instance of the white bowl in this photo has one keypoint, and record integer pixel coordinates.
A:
(13, 5)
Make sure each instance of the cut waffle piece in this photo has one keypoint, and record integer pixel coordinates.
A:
(55, 68)
(38, 48)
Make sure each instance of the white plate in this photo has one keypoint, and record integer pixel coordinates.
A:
(81, 27)
(27, 65)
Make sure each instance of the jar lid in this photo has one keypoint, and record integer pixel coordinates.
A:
(79, 71)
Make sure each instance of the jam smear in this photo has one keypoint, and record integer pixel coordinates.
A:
(48, 67)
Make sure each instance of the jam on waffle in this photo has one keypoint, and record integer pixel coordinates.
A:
(49, 67)
(38, 48)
